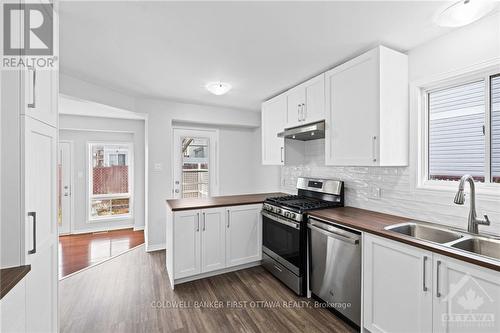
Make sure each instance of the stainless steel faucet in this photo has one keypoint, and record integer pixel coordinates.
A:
(472, 225)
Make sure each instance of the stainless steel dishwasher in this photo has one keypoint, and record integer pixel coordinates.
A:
(335, 267)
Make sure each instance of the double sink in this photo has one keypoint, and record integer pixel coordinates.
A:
(449, 237)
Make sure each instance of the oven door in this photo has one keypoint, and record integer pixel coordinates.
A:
(281, 240)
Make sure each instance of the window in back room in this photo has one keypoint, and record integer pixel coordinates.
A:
(464, 131)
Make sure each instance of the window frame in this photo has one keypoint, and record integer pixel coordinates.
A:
(423, 181)
(129, 195)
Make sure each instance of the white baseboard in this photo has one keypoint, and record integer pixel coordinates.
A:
(138, 228)
(99, 229)
(213, 273)
(155, 247)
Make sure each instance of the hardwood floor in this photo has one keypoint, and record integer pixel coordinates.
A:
(80, 251)
(130, 293)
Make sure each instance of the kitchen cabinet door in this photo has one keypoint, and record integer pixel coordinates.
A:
(40, 95)
(187, 260)
(296, 98)
(273, 121)
(397, 287)
(466, 297)
(243, 234)
(314, 108)
(13, 309)
(213, 239)
(367, 110)
(41, 237)
(352, 107)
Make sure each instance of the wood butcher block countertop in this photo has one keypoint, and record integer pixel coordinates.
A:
(221, 201)
(9, 277)
(374, 223)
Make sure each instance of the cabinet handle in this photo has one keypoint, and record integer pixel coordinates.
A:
(424, 287)
(281, 154)
(33, 215)
(304, 112)
(33, 98)
(204, 221)
(228, 217)
(374, 148)
(198, 222)
(298, 112)
(438, 293)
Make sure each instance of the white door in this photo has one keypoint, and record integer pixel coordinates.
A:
(466, 297)
(243, 234)
(353, 112)
(187, 229)
(314, 108)
(397, 287)
(64, 187)
(295, 105)
(273, 122)
(195, 168)
(41, 243)
(213, 239)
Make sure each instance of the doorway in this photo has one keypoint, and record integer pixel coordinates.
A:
(65, 186)
(195, 163)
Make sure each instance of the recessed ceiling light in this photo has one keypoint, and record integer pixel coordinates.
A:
(218, 88)
(464, 12)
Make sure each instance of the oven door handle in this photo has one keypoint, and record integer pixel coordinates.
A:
(295, 225)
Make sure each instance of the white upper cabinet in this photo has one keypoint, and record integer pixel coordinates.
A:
(367, 110)
(273, 122)
(306, 102)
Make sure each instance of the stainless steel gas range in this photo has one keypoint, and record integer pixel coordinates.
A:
(285, 228)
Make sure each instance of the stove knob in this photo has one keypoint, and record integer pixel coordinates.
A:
(287, 214)
(292, 215)
(278, 210)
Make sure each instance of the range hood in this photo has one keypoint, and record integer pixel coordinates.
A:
(306, 132)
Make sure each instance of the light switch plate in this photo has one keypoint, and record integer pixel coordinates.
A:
(158, 167)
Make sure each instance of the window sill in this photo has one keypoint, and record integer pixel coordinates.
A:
(488, 192)
(109, 218)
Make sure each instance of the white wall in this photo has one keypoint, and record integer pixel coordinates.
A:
(81, 130)
(240, 145)
(470, 45)
(239, 141)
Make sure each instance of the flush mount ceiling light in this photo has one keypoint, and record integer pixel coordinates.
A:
(218, 88)
(464, 12)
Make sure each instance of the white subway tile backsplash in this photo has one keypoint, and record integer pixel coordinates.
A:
(397, 194)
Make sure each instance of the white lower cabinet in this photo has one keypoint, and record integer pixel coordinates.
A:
(407, 289)
(466, 297)
(208, 240)
(187, 237)
(13, 309)
(244, 235)
(213, 240)
(397, 287)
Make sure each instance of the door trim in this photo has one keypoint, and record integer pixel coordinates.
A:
(71, 183)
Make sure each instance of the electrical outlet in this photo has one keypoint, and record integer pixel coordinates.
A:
(158, 167)
(375, 192)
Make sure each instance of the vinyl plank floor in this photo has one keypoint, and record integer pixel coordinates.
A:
(130, 293)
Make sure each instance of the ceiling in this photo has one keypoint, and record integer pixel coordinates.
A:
(171, 49)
